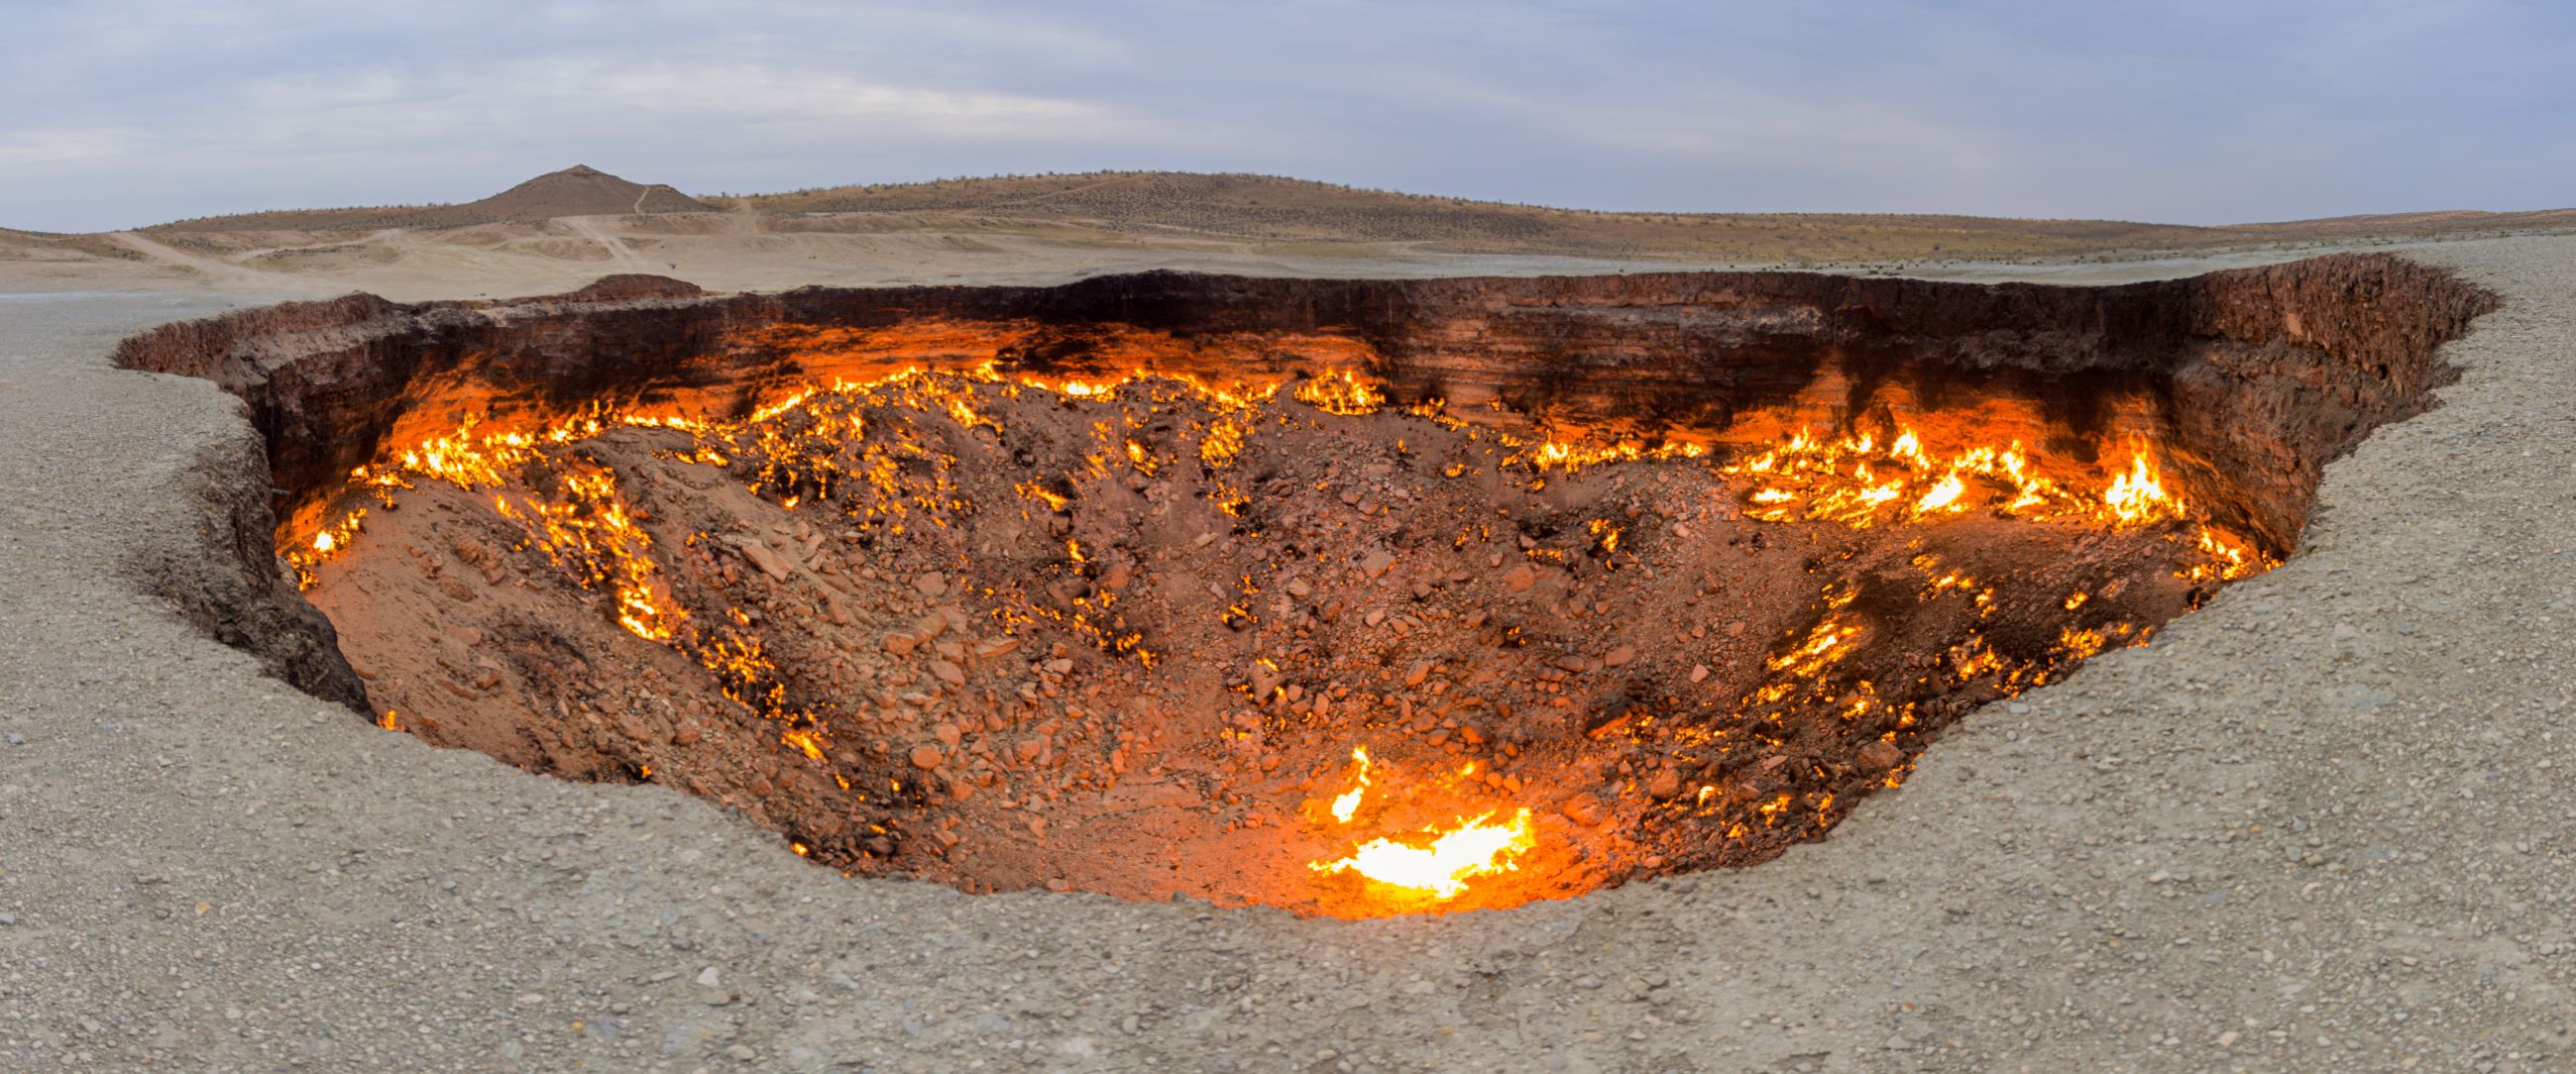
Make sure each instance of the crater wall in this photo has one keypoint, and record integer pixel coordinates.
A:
(626, 617)
(2251, 378)
(2248, 380)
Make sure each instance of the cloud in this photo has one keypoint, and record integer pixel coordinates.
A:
(444, 127)
(375, 108)
(2193, 110)
(68, 152)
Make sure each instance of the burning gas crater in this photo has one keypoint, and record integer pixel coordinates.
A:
(1352, 597)
(1281, 642)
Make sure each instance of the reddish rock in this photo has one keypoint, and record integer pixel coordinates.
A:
(762, 556)
(1878, 756)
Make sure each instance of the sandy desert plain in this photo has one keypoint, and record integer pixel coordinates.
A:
(2318, 823)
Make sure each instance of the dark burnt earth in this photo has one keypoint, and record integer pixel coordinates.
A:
(1421, 594)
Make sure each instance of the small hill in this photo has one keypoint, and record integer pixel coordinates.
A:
(44, 246)
(1246, 206)
(1266, 208)
(580, 190)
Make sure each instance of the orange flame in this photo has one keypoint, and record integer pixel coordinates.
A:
(1349, 801)
(1441, 867)
(1339, 391)
(2139, 495)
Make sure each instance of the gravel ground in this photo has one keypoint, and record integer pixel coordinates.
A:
(2320, 825)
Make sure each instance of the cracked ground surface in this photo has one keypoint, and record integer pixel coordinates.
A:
(2320, 824)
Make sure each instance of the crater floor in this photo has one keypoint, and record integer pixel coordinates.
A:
(2317, 824)
(1131, 642)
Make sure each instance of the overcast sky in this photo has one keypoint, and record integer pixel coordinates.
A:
(120, 114)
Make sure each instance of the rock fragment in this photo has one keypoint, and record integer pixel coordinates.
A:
(1878, 756)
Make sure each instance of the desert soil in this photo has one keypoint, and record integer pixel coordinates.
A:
(2319, 824)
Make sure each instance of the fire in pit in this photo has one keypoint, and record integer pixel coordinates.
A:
(1305, 596)
(1441, 867)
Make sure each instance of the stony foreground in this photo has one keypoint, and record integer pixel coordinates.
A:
(2317, 825)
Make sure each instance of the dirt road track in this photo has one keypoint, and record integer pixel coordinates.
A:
(619, 254)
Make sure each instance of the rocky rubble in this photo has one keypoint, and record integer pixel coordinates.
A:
(975, 648)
